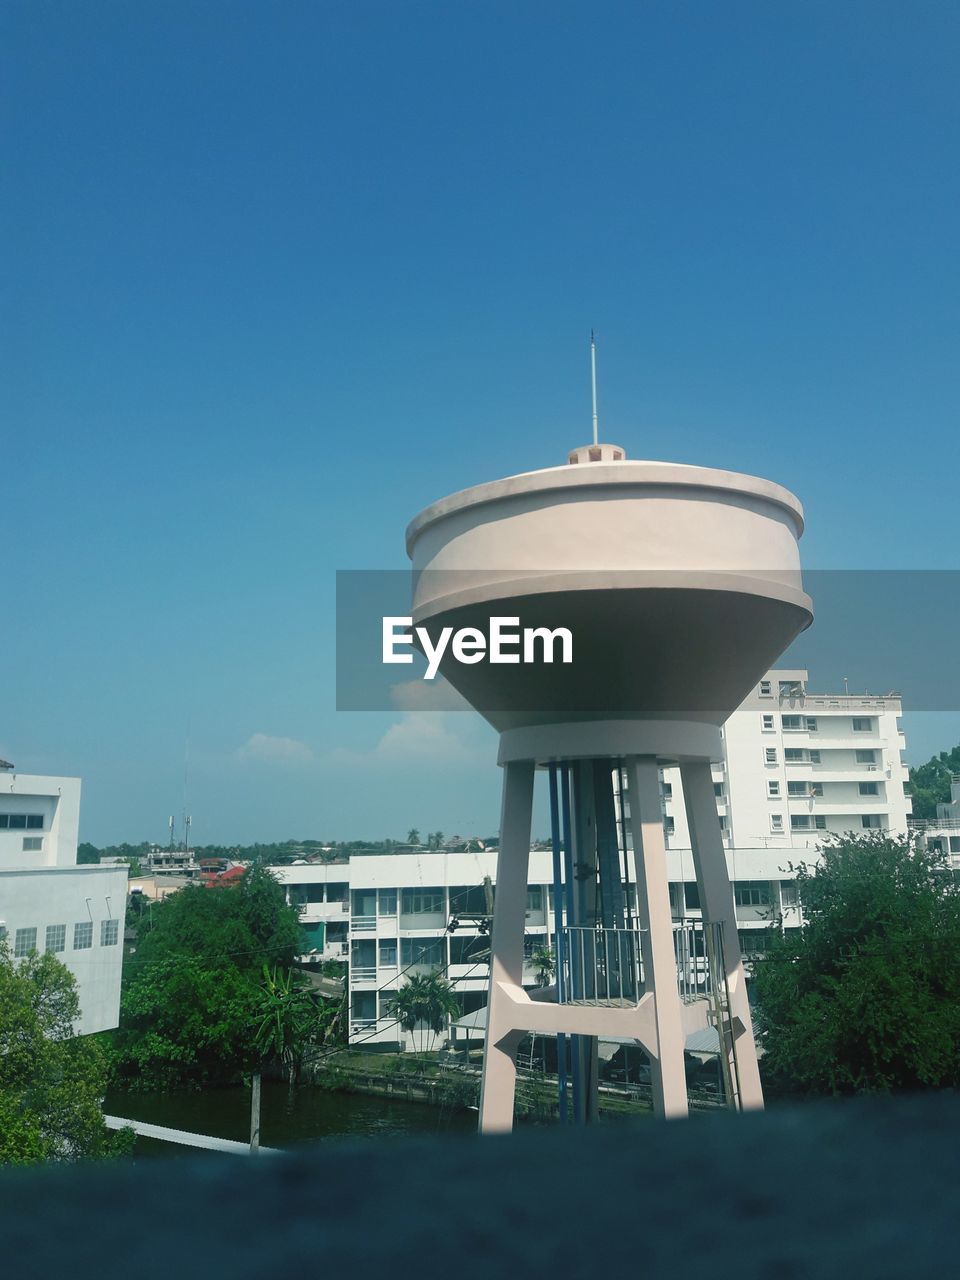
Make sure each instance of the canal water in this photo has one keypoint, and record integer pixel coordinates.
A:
(308, 1115)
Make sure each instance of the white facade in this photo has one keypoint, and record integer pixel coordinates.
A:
(796, 766)
(390, 916)
(49, 903)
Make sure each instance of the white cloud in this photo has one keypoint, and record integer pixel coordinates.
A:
(263, 748)
(427, 695)
(423, 736)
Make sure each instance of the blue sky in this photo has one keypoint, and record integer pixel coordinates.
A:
(277, 275)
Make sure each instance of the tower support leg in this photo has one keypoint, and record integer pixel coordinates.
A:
(506, 949)
(660, 963)
(716, 901)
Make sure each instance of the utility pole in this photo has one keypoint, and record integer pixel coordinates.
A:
(255, 1113)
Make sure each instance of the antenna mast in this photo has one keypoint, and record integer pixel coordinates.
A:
(593, 382)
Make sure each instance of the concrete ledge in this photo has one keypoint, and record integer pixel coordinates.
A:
(809, 1193)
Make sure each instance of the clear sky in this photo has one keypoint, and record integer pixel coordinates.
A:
(275, 276)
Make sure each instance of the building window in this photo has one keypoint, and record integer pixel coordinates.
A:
(387, 902)
(431, 952)
(776, 822)
(21, 821)
(56, 937)
(388, 1006)
(32, 844)
(789, 896)
(476, 948)
(770, 755)
(800, 822)
(83, 935)
(387, 957)
(666, 789)
(791, 723)
(870, 821)
(534, 897)
(813, 757)
(820, 822)
(337, 892)
(862, 724)
(669, 826)
(791, 688)
(766, 689)
(935, 846)
(24, 942)
(691, 895)
(793, 755)
(751, 893)
(300, 894)
(363, 1009)
(109, 933)
(869, 788)
(773, 788)
(811, 724)
(753, 942)
(718, 789)
(723, 821)
(866, 755)
(797, 788)
(767, 723)
(422, 902)
(955, 844)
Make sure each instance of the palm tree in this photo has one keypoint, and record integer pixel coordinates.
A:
(288, 1018)
(426, 1001)
(545, 965)
(413, 835)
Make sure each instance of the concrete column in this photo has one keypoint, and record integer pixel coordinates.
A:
(649, 851)
(716, 901)
(506, 949)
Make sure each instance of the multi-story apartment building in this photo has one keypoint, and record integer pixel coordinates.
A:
(390, 916)
(49, 903)
(796, 767)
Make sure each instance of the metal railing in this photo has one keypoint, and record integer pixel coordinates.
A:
(600, 966)
(363, 924)
(608, 966)
(363, 973)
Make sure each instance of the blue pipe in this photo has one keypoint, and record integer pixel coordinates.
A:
(578, 1112)
(558, 926)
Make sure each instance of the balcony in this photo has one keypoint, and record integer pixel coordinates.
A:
(363, 924)
(363, 973)
(607, 966)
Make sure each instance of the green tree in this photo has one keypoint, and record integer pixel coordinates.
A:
(87, 853)
(192, 989)
(186, 1022)
(866, 998)
(545, 965)
(289, 1018)
(413, 835)
(425, 1004)
(930, 782)
(51, 1081)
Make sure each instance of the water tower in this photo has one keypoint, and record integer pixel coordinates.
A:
(681, 587)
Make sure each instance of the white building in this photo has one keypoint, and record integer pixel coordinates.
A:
(49, 903)
(796, 767)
